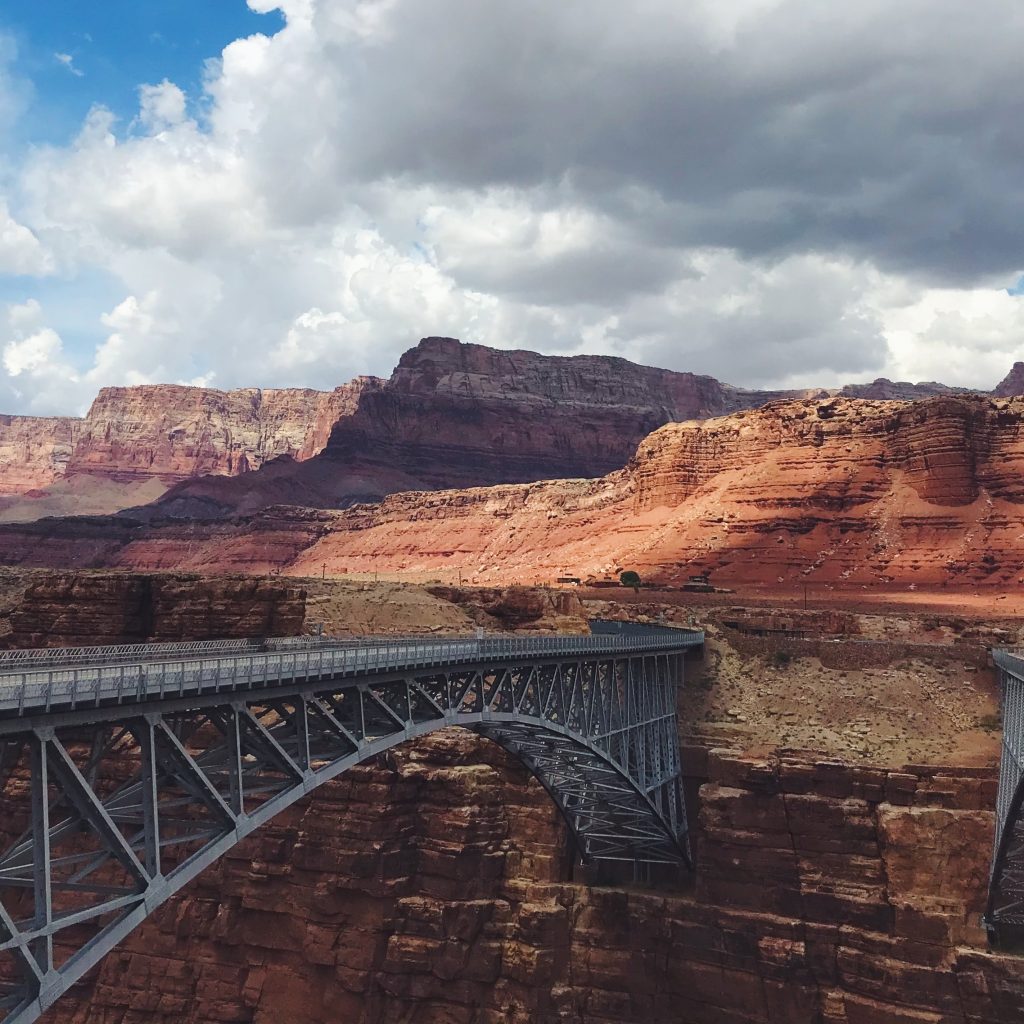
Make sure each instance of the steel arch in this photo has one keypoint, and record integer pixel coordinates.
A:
(592, 718)
(1004, 912)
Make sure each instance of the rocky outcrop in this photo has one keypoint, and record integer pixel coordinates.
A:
(72, 609)
(1012, 384)
(455, 415)
(434, 887)
(35, 450)
(452, 415)
(171, 433)
(900, 391)
(178, 432)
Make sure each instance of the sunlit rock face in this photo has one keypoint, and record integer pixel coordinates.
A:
(169, 433)
(451, 415)
(835, 491)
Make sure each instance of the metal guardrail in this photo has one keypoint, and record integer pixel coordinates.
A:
(29, 689)
(37, 657)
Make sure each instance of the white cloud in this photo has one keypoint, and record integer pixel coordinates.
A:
(37, 378)
(746, 189)
(69, 62)
(161, 106)
(20, 250)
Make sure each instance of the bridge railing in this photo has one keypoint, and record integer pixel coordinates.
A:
(66, 687)
(40, 657)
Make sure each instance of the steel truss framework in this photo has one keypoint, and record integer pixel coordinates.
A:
(1004, 914)
(102, 847)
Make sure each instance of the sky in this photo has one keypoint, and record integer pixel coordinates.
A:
(780, 193)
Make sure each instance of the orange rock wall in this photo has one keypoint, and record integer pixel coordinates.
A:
(35, 450)
(71, 609)
(171, 432)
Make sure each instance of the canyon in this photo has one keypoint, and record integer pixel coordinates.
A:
(838, 492)
(451, 415)
(839, 878)
(841, 764)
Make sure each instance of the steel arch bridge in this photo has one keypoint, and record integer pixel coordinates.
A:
(1004, 914)
(131, 769)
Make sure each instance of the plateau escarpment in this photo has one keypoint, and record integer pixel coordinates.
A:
(456, 415)
(835, 492)
(451, 415)
(157, 435)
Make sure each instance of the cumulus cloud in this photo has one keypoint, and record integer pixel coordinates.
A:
(36, 378)
(20, 250)
(764, 190)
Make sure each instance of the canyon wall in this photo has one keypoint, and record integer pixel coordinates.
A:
(70, 609)
(451, 415)
(833, 492)
(178, 432)
(171, 433)
(455, 415)
(434, 887)
(35, 450)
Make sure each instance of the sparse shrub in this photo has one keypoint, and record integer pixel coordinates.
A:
(991, 723)
(781, 659)
(629, 578)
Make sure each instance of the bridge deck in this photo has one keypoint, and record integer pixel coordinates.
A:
(41, 683)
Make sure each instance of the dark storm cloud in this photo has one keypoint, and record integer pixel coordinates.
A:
(885, 131)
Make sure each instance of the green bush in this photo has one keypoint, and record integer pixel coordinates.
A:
(629, 578)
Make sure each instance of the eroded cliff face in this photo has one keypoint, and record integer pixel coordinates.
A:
(433, 887)
(452, 415)
(164, 433)
(178, 432)
(838, 491)
(456, 415)
(71, 609)
(35, 450)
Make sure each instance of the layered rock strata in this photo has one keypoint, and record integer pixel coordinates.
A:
(35, 450)
(452, 415)
(171, 433)
(835, 492)
(433, 887)
(72, 609)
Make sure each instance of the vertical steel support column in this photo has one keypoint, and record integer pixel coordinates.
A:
(302, 734)
(143, 731)
(236, 795)
(42, 947)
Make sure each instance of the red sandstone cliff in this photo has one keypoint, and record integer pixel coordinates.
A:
(433, 887)
(452, 415)
(160, 433)
(455, 415)
(835, 491)
(35, 450)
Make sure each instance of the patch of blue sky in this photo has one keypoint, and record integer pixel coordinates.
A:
(1017, 289)
(75, 54)
(72, 306)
